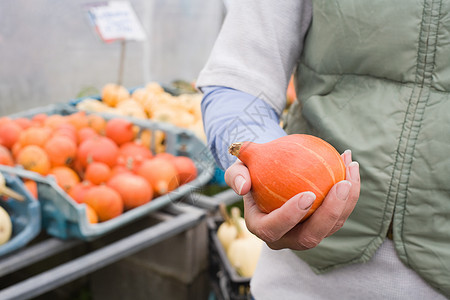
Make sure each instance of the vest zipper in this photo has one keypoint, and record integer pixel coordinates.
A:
(414, 114)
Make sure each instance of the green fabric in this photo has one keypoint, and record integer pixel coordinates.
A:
(375, 78)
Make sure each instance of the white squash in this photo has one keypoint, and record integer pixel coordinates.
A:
(92, 105)
(243, 252)
(5, 226)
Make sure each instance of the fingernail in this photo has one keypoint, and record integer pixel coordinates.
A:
(343, 189)
(348, 156)
(239, 182)
(354, 167)
(306, 200)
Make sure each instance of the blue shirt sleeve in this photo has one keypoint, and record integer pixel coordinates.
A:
(231, 116)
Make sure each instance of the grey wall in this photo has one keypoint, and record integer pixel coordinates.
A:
(49, 52)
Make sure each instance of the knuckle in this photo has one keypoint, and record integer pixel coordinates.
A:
(333, 215)
(338, 225)
(267, 235)
(308, 242)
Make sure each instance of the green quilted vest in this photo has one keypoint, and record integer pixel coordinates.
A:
(374, 77)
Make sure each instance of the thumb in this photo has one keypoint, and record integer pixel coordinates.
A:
(238, 178)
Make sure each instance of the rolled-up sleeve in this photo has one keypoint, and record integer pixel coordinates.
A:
(258, 47)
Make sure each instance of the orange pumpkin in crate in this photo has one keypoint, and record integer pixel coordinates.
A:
(54, 121)
(120, 131)
(67, 130)
(160, 173)
(9, 134)
(106, 202)
(78, 120)
(100, 149)
(186, 169)
(61, 150)
(65, 177)
(35, 136)
(86, 133)
(32, 187)
(289, 165)
(34, 158)
(25, 123)
(134, 189)
(78, 191)
(96, 122)
(6, 157)
(97, 172)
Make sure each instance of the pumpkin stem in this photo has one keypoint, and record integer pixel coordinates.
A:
(224, 213)
(235, 215)
(235, 148)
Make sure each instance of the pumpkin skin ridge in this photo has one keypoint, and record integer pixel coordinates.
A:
(314, 188)
(260, 202)
(321, 160)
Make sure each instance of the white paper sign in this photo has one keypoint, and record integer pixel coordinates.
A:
(116, 20)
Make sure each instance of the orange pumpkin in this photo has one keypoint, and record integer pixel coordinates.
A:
(160, 173)
(4, 120)
(113, 94)
(85, 134)
(119, 169)
(34, 158)
(6, 157)
(61, 150)
(186, 169)
(16, 149)
(67, 130)
(32, 187)
(100, 149)
(132, 154)
(78, 120)
(97, 172)
(165, 155)
(23, 122)
(135, 150)
(106, 202)
(133, 189)
(287, 166)
(54, 121)
(39, 119)
(96, 122)
(78, 167)
(91, 215)
(35, 136)
(9, 134)
(79, 190)
(65, 177)
(119, 130)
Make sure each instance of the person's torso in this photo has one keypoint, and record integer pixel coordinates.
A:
(375, 78)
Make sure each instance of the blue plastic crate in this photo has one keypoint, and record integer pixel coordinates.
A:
(25, 215)
(62, 217)
(218, 177)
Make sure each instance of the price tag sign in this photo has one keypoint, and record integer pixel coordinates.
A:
(116, 20)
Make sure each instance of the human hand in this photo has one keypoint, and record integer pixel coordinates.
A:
(281, 228)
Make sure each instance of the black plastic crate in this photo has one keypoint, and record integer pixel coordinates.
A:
(227, 283)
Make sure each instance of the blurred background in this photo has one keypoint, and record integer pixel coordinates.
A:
(49, 51)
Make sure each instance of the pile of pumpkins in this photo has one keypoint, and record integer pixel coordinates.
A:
(151, 102)
(105, 163)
